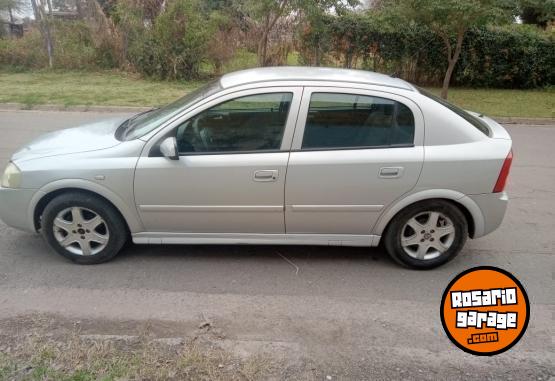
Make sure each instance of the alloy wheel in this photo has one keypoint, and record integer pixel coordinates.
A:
(427, 235)
(81, 231)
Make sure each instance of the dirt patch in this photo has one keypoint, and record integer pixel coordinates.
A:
(46, 347)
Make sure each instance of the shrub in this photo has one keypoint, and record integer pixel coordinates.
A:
(175, 46)
(23, 53)
(73, 49)
(73, 45)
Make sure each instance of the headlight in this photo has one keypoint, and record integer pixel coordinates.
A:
(11, 177)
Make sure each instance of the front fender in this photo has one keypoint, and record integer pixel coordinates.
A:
(129, 212)
(465, 201)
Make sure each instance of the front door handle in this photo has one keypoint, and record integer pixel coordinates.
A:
(391, 172)
(266, 175)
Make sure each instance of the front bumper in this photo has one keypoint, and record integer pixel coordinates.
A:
(493, 207)
(14, 208)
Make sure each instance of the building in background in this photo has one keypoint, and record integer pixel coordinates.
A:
(11, 24)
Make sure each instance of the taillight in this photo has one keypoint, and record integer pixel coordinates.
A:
(502, 179)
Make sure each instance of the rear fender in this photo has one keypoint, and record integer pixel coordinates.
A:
(448, 194)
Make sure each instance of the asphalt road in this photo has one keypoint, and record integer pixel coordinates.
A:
(351, 312)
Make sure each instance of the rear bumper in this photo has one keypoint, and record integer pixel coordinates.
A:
(493, 207)
(14, 208)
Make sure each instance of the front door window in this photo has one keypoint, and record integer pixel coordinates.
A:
(245, 124)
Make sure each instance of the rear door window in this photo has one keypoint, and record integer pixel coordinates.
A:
(337, 121)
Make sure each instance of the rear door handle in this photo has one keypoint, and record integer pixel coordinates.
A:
(391, 172)
(266, 175)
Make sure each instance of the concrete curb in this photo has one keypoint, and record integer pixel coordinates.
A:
(530, 121)
(132, 109)
(46, 107)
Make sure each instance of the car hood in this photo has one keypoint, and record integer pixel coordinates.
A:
(89, 137)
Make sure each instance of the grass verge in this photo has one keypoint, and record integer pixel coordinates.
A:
(505, 102)
(123, 89)
(40, 355)
(85, 88)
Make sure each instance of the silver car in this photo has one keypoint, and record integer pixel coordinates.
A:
(296, 156)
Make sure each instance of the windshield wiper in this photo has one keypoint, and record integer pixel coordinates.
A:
(134, 117)
(128, 123)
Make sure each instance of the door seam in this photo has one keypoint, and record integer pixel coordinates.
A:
(288, 160)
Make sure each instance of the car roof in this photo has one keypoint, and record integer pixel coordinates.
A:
(299, 73)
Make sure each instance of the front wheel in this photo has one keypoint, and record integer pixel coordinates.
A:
(427, 234)
(84, 228)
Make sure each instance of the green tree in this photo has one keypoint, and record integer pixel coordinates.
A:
(130, 20)
(539, 12)
(182, 33)
(451, 19)
(222, 43)
(265, 14)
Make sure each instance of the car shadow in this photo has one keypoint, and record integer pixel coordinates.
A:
(220, 253)
(220, 269)
(225, 269)
(256, 269)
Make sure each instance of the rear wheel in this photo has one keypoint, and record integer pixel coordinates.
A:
(427, 234)
(83, 228)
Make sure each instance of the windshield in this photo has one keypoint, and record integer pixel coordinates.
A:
(143, 123)
(476, 122)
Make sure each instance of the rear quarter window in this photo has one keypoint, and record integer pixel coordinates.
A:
(476, 122)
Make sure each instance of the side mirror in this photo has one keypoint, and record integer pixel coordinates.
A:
(169, 148)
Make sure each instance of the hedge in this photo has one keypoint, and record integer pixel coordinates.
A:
(510, 58)
(514, 56)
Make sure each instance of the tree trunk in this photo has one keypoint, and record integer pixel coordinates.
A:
(452, 59)
(125, 46)
(269, 23)
(47, 35)
(263, 50)
(79, 8)
(317, 58)
(218, 66)
(447, 79)
(348, 59)
(49, 45)
(44, 30)
(263, 43)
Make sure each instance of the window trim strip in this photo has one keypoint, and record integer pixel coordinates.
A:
(353, 148)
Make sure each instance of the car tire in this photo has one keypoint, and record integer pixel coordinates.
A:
(83, 228)
(427, 234)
